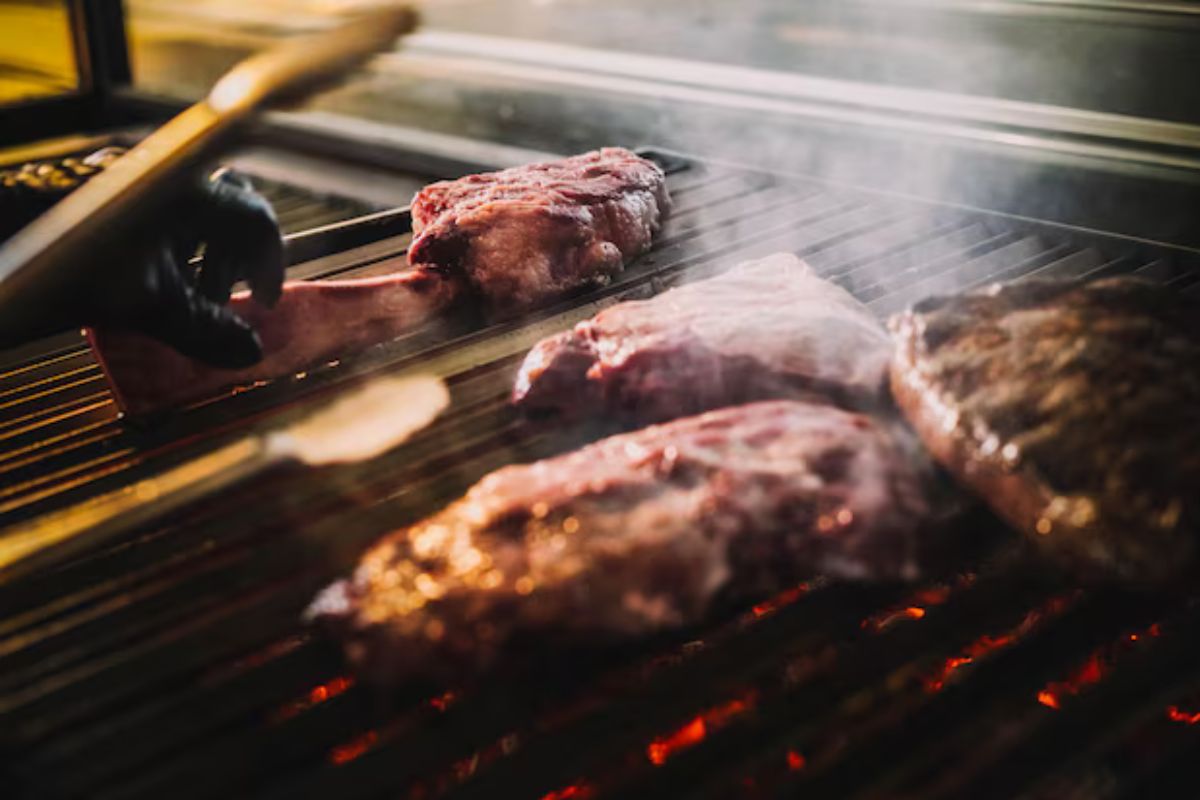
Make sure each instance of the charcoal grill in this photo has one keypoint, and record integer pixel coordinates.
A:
(173, 662)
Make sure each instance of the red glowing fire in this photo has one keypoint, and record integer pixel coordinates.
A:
(1177, 714)
(971, 653)
(443, 701)
(695, 729)
(664, 747)
(1089, 673)
(315, 696)
(1093, 670)
(915, 607)
(887, 619)
(575, 791)
(355, 748)
(987, 643)
(780, 600)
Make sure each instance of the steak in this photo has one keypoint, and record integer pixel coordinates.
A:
(764, 329)
(529, 234)
(1072, 408)
(310, 324)
(505, 240)
(634, 534)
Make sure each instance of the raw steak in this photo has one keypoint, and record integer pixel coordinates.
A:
(633, 534)
(763, 329)
(1072, 408)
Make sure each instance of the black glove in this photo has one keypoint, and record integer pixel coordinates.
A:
(150, 285)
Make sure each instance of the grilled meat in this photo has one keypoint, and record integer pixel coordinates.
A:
(528, 234)
(763, 329)
(310, 324)
(511, 239)
(1072, 408)
(633, 534)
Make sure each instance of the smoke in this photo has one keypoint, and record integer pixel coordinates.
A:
(862, 94)
(893, 96)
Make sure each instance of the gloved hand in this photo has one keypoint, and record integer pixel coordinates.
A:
(150, 283)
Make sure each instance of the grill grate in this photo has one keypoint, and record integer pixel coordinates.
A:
(173, 663)
(300, 209)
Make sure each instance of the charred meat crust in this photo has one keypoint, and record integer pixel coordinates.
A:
(635, 534)
(528, 234)
(1072, 408)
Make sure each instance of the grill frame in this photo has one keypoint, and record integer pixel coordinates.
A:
(172, 662)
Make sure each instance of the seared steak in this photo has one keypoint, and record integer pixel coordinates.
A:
(509, 239)
(764, 329)
(1072, 408)
(633, 534)
(530, 233)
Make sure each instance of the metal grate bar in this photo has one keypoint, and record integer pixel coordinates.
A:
(960, 270)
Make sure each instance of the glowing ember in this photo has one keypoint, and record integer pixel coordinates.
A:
(989, 644)
(780, 600)
(796, 761)
(887, 619)
(917, 604)
(355, 748)
(443, 701)
(663, 748)
(317, 695)
(1177, 714)
(575, 790)
(1093, 670)
(1048, 699)
(937, 682)
(694, 731)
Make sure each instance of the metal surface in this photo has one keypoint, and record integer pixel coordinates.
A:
(40, 261)
(173, 663)
(945, 113)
